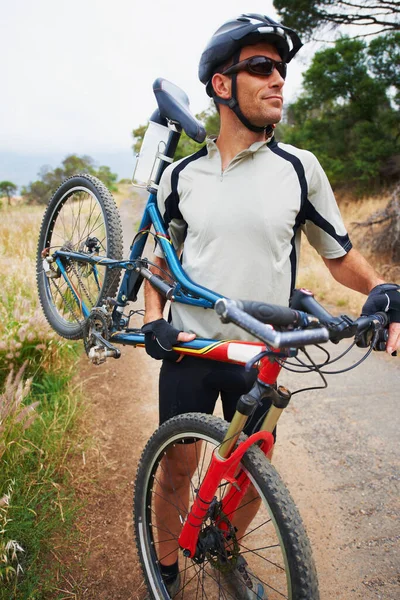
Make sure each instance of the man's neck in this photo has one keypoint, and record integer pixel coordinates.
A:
(232, 139)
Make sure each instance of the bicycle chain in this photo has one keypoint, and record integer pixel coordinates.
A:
(81, 284)
(67, 303)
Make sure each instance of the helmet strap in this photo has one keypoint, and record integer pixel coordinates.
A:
(233, 104)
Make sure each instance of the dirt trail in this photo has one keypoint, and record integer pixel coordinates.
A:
(347, 497)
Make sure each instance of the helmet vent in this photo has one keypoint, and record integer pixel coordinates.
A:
(266, 29)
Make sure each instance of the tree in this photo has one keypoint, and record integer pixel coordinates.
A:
(40, 191)
(7, 188)
(384, 61)
(345, 114)
(309, 16)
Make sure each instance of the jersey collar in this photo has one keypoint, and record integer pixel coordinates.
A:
(212, 147)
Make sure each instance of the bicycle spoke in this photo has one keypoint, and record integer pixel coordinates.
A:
(166, 555)
(168, 502)
(248, 550)
(162, 523)
(254, 529)
(172, 485)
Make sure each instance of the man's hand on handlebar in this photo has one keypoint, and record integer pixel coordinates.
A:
(386, 297)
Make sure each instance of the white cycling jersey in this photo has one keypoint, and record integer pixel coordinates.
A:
(240, 229)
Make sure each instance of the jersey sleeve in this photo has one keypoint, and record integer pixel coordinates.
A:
(322, 221)
(168, 205)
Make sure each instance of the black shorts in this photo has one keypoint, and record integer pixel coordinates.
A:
(194, 384)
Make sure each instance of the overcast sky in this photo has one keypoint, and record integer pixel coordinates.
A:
(77, 75)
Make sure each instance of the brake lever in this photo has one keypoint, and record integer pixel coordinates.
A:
(376, 337)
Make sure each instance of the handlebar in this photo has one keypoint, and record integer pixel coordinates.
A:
(230, 312)
(312, 323)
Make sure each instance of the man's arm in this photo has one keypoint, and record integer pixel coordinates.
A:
(353, 271)
(154, 303)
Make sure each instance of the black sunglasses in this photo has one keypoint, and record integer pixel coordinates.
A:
(258, 65)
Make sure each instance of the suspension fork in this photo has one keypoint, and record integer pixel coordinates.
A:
(220, 468)
(224, 463)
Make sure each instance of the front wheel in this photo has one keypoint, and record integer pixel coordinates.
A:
(81, 217)
(275, 546)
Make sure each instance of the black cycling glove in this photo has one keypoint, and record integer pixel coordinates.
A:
(384, 298)
(159, 337)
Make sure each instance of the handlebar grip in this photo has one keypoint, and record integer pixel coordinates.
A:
(162, 286)
(290, 339)
(158, 283)
(230, 312)
(271, 313)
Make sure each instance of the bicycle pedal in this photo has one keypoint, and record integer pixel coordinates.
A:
(99, 354)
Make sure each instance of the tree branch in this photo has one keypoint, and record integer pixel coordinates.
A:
(341, 19)
(389, 6)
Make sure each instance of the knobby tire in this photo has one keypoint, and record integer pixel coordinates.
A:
(275, 544)
(81, 211)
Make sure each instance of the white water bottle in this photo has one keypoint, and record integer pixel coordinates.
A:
(152, 150)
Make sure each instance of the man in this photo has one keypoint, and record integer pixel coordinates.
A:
(237, 207)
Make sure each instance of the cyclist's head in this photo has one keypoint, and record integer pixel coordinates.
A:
(224, 48)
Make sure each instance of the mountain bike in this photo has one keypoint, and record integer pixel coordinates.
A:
(79, 267)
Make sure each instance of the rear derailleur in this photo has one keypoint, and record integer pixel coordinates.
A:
(96, 336)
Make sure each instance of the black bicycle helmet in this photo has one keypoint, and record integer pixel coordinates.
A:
(228, 40)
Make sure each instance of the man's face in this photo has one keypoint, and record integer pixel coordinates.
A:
(260, 98)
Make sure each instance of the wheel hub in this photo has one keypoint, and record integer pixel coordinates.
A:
(217, 542)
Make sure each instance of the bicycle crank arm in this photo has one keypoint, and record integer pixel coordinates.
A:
(99, 354)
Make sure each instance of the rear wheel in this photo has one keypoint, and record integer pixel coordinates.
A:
(81, 217)
(275, 545)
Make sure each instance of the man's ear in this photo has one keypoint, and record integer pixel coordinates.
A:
(222, 85)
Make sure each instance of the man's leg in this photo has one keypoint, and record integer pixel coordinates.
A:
(172, 498)
(183, 388)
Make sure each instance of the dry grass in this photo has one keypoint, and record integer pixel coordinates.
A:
(124, 191)
(15, 418)
(314, 275)
(23, 328)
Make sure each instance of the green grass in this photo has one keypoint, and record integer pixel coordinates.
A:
(34, 472)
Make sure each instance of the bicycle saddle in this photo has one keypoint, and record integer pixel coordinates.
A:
(173, 104)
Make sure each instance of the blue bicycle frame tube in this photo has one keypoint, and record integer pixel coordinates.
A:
(187, 291)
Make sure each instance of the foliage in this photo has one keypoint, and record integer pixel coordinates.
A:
(40, 191)
(186, 146)
(7, 188)
(384, 62)
(309, 16)
(37, 503)
(345, 114)
(37, 421)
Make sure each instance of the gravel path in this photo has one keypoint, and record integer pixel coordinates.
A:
(338, 452)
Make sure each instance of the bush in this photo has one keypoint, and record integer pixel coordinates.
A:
(40, 191)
